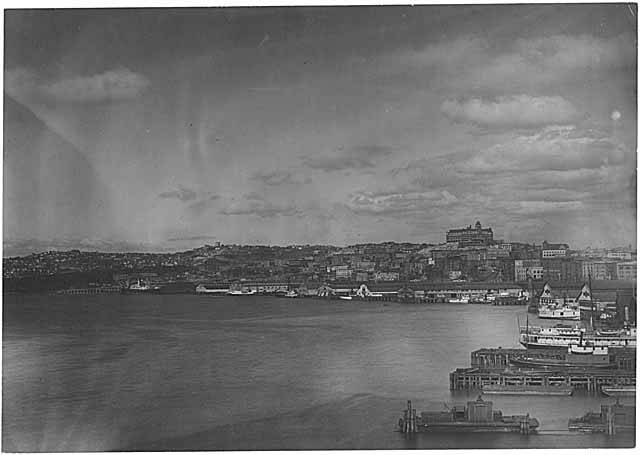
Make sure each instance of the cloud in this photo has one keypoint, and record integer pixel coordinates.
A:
(183, 194)
(253, 204)
(521, 111)
(200, 206)
(392, 203)
(475, 64)
(553, 148)
(357, 157)
(279, 177)
(118, 84)
(545, 207)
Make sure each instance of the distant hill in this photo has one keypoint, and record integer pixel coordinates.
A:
(50, 187)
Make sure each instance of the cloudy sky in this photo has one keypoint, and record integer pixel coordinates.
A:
(174, 128)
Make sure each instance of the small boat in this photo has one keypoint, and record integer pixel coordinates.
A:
(141, 286)
(619, 391)
(527, 390)
(346, 297)
(291, 294)
(459, 300)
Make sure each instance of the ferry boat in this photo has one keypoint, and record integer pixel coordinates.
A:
(551, 307)
(477, 416)
(562, 312)
(538, 337)
(556, 390)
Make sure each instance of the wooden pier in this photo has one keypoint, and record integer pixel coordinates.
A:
(589, 380)
(491, 367)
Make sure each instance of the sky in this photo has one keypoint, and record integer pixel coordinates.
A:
(171, 128)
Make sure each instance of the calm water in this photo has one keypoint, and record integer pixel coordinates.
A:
(84, 373)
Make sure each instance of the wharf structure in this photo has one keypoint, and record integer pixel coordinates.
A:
(490, 367)
(92, 290)
(418, 292)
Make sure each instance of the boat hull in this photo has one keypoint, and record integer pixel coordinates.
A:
(469, 427)
(560, 392)
(618, 392)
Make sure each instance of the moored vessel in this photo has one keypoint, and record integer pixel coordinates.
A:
(202, 289)
(611, 419)
(576, 356)
(142, 287)
(558, 390)
(549, 337)
(477, 416)
(242, 292)
(618, 391)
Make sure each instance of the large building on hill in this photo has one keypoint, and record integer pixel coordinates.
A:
(471, 236)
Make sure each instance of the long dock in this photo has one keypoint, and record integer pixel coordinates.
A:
(491, 367)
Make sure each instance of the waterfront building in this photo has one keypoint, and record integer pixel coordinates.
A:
(471, 236)
(627, 271)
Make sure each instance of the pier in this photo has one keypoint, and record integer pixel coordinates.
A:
(491, 367)
(90, 291)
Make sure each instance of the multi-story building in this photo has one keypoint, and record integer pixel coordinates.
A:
(621, 255)
(626, 271)
(598, 270)
(554, 250)
(523, 268)
(471, 236)
(562, 269)
(386, 276)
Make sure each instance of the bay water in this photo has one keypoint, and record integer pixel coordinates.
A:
(189, 372)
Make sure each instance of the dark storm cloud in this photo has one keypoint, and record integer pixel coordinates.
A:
(182, 193)
(358, 157)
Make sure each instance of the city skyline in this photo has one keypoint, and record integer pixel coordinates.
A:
(320, 125)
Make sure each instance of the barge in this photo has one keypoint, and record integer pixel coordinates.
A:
(620, 391)
(612, 418)
(476, 417)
